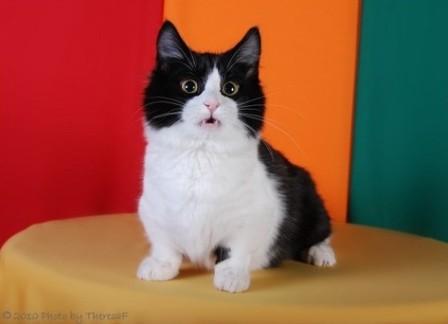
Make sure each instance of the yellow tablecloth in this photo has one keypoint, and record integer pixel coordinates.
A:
(84, 268)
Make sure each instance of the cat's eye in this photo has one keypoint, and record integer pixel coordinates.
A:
(189, 86)
(230, 88)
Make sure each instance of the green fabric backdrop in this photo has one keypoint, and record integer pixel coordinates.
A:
(400, 154)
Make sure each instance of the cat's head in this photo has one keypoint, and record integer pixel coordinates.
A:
(205, 95)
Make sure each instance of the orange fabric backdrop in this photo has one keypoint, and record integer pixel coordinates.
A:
(308, 72)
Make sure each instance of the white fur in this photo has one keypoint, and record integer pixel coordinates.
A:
(322, 254)
(206, 187)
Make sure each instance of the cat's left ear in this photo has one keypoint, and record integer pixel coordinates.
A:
(248, 50)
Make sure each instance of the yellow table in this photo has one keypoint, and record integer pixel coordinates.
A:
(84, 269)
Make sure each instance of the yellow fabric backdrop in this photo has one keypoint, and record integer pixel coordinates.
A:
(308, 71)
(87, 265)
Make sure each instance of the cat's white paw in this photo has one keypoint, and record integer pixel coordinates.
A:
(231, 279)
(154, 269)
(322, 255)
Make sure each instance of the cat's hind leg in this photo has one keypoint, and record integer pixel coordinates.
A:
(322, 254)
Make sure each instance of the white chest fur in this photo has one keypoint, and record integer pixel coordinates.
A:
(197, 198)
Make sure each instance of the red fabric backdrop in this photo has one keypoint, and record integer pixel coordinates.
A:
(71, 79)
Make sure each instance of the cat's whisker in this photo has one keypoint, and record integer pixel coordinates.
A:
(269, 122)
(273, 106)
(251, 129)
(167, 98)
(269, 150)
(250, 100)
(273, 93)
(266, 95)
(164, 115)
(255, 133)
(175, 104)
(271, 154)
(138, 110)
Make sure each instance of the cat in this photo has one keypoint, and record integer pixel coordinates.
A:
(213, 190)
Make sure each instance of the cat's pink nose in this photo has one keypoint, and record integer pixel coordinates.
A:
(211, 105)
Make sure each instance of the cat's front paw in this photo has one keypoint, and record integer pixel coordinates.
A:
(231, 279)
(154, 269)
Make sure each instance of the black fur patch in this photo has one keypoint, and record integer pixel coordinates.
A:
(306, 220)
(221, 253)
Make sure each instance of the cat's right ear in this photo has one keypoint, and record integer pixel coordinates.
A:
(169, 43)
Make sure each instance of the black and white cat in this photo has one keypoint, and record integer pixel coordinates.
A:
(213, 190)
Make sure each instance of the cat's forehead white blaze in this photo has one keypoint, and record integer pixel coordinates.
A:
(213, 85)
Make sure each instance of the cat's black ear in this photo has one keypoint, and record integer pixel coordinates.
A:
(169, 43)
(248, 50)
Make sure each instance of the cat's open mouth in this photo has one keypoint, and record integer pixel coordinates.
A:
(210, 122)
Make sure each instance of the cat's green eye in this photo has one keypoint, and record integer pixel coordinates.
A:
(230, 88)
(189, 86)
